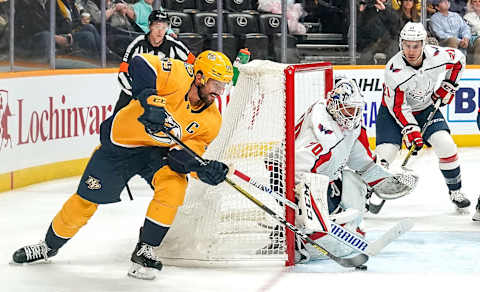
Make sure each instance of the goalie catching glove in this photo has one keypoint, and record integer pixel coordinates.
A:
(412, 136)
(395, 186)
(446, 92)
(154, 115)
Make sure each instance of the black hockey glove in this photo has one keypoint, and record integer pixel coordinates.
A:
(154, 115)
(213, 173)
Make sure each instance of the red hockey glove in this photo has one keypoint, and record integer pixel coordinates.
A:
(412, 136)
(446, 92)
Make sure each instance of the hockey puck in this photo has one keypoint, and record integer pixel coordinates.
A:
(361, 268)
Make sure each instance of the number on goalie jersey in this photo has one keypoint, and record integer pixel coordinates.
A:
(414, 78)
(167, 91)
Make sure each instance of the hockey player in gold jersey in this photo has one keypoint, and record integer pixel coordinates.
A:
(169, 95)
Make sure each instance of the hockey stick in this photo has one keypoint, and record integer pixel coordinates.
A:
(424, 128)
(355, 261)
(339, 218)
(338, 232)
(369, 248)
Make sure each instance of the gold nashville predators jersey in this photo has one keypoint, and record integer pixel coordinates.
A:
(196, 127)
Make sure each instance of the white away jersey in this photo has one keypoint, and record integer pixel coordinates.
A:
(322, 146)
(409, 90)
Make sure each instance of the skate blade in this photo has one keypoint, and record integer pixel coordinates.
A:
(462, 211)
(39, 262)
(140, 272)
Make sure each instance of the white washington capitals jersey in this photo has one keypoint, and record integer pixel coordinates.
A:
(409, 90)
(323, 147)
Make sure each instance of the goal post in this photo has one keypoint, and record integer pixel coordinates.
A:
(216, 226)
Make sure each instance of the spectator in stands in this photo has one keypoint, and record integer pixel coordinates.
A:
(4, 36)
(458, 6)
(331, 14)
(117, 14)
(120, 15)
(32, 38)
(449, 27)
(119, 19)
(142, 9)
(409, 12)
(377, 31)
(472, 18)
(397, 5)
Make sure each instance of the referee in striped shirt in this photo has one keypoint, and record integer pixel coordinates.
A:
(156, 42)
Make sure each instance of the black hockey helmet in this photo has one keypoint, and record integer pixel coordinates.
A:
(158, 15)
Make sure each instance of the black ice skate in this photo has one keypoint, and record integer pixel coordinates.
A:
(144, 262)
(373, 203)
(34, 252)
(459, 199)
(476, 216)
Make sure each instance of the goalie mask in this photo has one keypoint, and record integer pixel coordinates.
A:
(345, 104)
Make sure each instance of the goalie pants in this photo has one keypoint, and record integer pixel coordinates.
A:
(103, 180)
(353, 191)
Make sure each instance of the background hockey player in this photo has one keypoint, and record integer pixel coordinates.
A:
(169, 93)
(476, 216)
(331, 142)
(411, 89)
(156, 42)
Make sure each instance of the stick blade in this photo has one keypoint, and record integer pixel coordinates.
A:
(393, 233)
(354, 261)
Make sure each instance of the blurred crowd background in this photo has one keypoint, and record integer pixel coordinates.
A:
(42, 34)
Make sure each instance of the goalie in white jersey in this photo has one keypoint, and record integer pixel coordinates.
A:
(334, 165)
(410, 91)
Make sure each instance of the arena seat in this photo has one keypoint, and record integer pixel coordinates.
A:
(180, 21)
(179, 5)
(205, 23)
(206, 5)
(193, 41)
(230, 44)
(237, 5)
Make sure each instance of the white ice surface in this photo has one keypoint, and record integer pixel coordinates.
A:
(441, 253)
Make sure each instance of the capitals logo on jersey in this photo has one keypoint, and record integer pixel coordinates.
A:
(394, 70)
(324, 130)
(421, 90)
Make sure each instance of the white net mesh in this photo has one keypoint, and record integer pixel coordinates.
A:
(217, 225)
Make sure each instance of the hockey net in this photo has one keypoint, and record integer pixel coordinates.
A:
(219, 226)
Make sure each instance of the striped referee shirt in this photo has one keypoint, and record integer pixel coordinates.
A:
(170, 48)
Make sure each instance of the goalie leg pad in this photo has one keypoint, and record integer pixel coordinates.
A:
(312, 213)
(386, 153)
(353, 193)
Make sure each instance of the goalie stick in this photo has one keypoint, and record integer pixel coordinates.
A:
(338, 232)
(351, 262)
